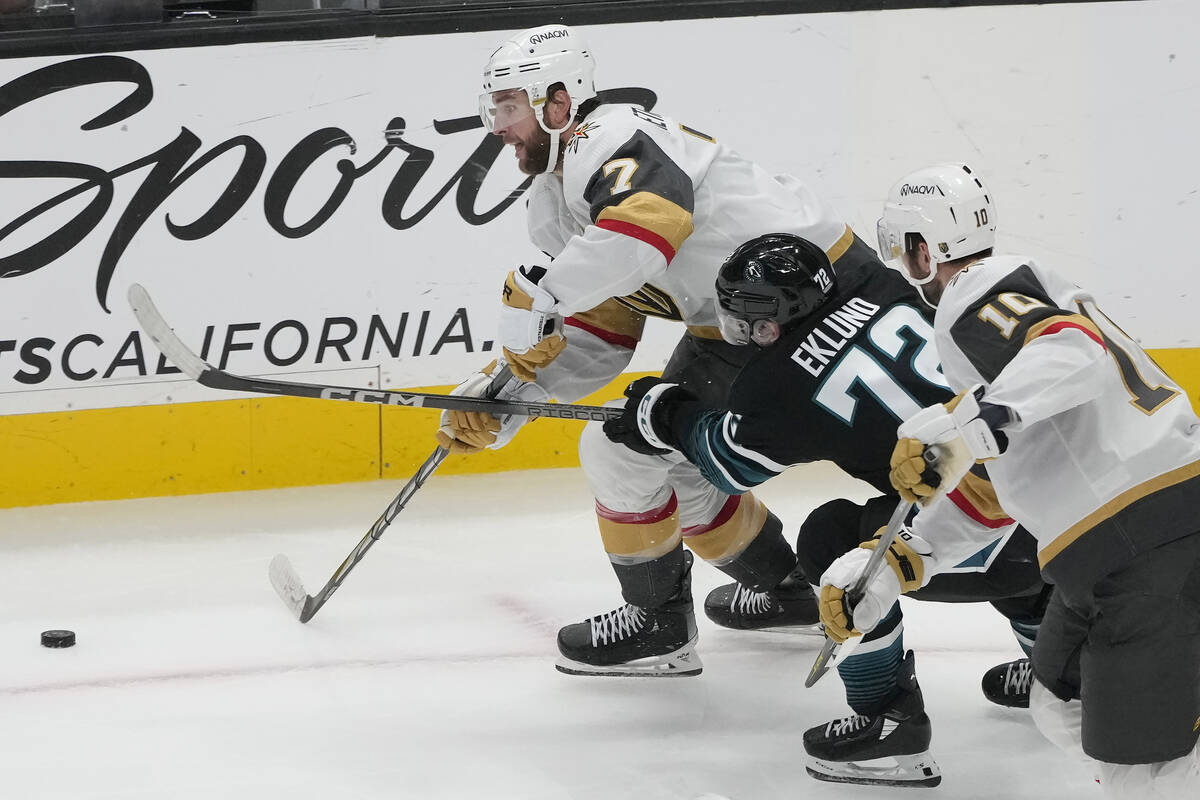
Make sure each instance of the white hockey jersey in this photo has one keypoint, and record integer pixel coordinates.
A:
(1104, 461)
(646, 211)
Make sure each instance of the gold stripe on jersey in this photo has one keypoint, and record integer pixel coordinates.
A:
(980, 493)
(1115, 506)
(704, 331)
(640, 540)
(652, 213)
(1039, 327)
(839, 248)
(653, 302)
(725, 541)
(614, 317)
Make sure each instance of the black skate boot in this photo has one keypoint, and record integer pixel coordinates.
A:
(889, 748)
(791, 606)
(632, 641)
(1008, 684)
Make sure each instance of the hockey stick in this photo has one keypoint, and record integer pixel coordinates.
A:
(287, 581)
(206, 374)
(855, 593)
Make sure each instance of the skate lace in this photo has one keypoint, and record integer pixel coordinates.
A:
(748, 601)
(1018, 676)
(846, 725)
(617, 624)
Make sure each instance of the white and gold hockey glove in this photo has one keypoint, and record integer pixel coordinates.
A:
(959, 433)
(906, 574)
(466, 432)
(530, 327)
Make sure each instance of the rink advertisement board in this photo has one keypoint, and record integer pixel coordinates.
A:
(295, 207)
(334, 209)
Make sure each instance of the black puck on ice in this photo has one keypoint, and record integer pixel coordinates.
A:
(58, 638)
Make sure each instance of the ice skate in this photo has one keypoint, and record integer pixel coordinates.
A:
(889, 748)
(631, 641)
(790, 607)
(1008, 684)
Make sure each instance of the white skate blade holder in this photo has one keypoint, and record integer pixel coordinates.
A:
(919, 770)
(816, 629)
(680, 663)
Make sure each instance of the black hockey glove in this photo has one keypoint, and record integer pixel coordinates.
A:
(643, 427)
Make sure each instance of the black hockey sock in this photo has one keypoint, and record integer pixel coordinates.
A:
(1026, 633)
(766, 561)
(870, 672)
(652, 583)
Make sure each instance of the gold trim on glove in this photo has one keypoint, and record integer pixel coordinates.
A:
(908, 468)
(523, 365)
(904, 561)
(833, 614)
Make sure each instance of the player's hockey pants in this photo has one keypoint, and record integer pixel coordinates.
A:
(649, 506)
(1131, 653)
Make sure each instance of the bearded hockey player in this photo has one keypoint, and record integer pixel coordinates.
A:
(1095, 450)
(637, 211)
(840, 354)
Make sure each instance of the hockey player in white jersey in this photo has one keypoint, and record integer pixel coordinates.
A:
(637, 211)
(1093, 449)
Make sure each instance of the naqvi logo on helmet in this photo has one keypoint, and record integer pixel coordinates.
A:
(554, 33)
(908, 189)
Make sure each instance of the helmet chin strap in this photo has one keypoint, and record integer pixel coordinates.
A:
(552, 160)
(555, 137)
(921, 283)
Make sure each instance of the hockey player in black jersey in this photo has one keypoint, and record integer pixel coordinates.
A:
(843, 356)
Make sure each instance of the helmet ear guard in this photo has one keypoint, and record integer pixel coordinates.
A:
(769, 284)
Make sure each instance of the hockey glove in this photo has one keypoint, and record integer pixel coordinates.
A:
(641, 428)
(960, 433)
(465, 432)
(904, 572)
(530, 330)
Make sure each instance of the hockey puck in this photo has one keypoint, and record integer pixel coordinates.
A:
(58, 638)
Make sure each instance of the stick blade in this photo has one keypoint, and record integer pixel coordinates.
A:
(821, 665)
(289, 587)
(161, 334)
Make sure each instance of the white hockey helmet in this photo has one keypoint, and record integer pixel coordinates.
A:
(533, 61)
(948, 206)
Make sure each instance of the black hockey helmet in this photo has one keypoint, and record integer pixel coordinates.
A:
(769, 284)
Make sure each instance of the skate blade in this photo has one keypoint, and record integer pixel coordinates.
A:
(682, 663)
(789, 630)
(914, 771)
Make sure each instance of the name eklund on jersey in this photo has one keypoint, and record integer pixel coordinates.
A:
(819, 348)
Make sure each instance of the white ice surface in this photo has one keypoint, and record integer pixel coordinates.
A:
(430, 673)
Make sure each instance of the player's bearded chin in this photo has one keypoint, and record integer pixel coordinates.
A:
(537, 153)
